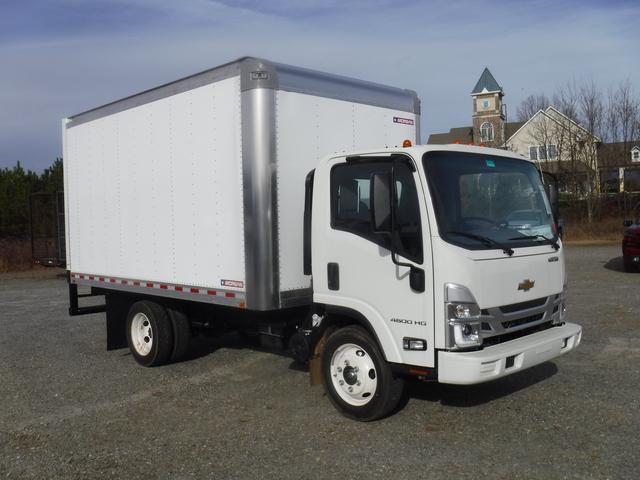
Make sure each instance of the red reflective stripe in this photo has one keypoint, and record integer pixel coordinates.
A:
(163, 286)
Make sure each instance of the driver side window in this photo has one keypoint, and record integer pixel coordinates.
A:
(350, 204)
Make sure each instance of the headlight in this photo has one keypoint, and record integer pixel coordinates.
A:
(466, 335)
(463, 318)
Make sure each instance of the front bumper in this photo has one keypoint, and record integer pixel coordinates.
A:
(466, 368)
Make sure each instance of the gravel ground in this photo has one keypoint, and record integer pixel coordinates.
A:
(70, 409)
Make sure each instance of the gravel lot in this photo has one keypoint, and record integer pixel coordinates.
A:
(70, 409)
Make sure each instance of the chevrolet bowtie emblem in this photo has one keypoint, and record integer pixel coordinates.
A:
(526, 285)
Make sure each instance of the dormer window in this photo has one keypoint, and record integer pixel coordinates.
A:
(635, 155)
(486, 132)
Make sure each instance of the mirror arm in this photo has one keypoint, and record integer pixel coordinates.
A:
(397, 262)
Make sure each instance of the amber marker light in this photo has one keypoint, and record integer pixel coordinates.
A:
(406, 143)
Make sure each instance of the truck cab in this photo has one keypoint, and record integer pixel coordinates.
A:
(442, 262)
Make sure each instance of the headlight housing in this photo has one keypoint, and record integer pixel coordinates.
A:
(563, 304)
(462, 317)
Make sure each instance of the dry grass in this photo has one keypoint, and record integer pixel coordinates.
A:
(15, 255)
(607, 230)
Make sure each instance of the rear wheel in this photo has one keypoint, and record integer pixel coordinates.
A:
(181, 334)
(356, 377)
(149, 333)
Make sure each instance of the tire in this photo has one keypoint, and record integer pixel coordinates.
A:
(356, 377)
(629, 267)
(181, 334)
(149, 333)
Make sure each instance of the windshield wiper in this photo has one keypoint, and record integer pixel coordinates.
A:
(490, 242)
(550, 241)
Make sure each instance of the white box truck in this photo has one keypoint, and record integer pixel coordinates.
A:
(278, 201)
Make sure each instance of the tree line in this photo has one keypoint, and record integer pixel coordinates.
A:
(612, 114)
(607, 126)
(16, 186)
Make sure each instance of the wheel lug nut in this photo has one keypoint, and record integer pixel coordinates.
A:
(339, 369)
(359, 383)
(341, 382)
(350, 389)
(346, 362)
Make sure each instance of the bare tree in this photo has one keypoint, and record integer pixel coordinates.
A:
(591, 113)
(588, 117)
(566, 99)
(532, 105)
(627, 108)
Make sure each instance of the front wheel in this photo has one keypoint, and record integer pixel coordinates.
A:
(356, 376)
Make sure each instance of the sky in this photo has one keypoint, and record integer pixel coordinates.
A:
(61, 57)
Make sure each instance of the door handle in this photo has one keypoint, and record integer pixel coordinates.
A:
(333, 276)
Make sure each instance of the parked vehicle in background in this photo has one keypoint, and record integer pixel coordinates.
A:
(277, 200)
(631, 245)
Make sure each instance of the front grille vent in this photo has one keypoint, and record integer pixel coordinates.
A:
(522, 321)
(487, 342)
(516, 307)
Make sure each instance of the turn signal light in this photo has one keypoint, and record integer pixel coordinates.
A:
(407, 143)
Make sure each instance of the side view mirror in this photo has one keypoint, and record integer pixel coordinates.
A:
(416, 279)
(627, 223)
(380, 198)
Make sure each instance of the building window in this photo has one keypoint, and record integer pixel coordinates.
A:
(486, 132)
(485, 104)
(543, 152)
(635, 155)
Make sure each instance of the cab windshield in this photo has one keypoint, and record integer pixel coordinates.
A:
(488, 202)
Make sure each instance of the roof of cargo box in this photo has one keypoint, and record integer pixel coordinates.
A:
(259, 73)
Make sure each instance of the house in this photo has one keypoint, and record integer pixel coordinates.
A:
(559, 144)
(619, 164)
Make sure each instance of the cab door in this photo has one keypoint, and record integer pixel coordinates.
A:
(353, 267)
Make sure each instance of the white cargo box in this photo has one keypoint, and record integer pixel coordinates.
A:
(195, 189)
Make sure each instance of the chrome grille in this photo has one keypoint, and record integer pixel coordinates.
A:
(507, 319)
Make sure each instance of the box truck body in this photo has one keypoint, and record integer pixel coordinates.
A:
(199, 184)
(287, 195)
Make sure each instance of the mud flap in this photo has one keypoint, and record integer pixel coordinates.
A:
(315, 363)
(117, 310)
